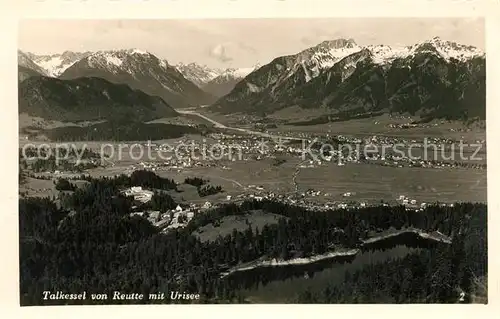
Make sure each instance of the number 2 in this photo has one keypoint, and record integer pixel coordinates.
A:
(462, 295)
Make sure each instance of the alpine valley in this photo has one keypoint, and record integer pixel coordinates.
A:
(343, 173)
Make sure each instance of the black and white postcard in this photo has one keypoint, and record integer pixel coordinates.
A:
(252, 160)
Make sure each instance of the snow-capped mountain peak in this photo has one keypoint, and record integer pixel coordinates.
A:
(238, 72)
(143, 71)
(448, 49)
(55, 64)
(125, 60)
(198, 74)
(225, 82)
(325, 55)
(383, 54)
(137, 51)
(338, 44)
(323, 75)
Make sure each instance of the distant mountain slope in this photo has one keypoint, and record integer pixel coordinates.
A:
(87, 99)
(226, 81)
(143, 71)
(23, 73)
(198, 74)
(435, 78)
(24, 61)
(55, 64)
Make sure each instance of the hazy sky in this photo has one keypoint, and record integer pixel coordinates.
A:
(237, 42)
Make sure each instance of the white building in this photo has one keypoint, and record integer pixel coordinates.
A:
(207, 205)
(139, 194)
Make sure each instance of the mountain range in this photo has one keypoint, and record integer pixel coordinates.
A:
(435, 78)
(143, 71)
(213, 81)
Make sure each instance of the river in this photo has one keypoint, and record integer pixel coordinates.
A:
(220, 125)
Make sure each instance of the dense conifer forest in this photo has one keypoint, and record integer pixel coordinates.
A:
(87, 240)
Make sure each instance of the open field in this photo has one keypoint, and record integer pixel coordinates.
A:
(234, 181)
(188, 194)
(372, 183)
(379, 126)
(255, 219)
(296, 113)
(368, 183)
(26, 120)
(38, 188)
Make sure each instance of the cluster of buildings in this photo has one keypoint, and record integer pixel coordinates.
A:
(171, 219)
(413, 204)
(181, 216)
(408, 201)
(233, 147)
(398, 161)
(307, 199)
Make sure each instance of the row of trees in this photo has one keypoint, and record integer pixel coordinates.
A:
(202, 187)
(208, 190)
(195, 181)
(64, 185)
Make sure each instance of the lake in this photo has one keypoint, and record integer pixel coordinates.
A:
(283, 284)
